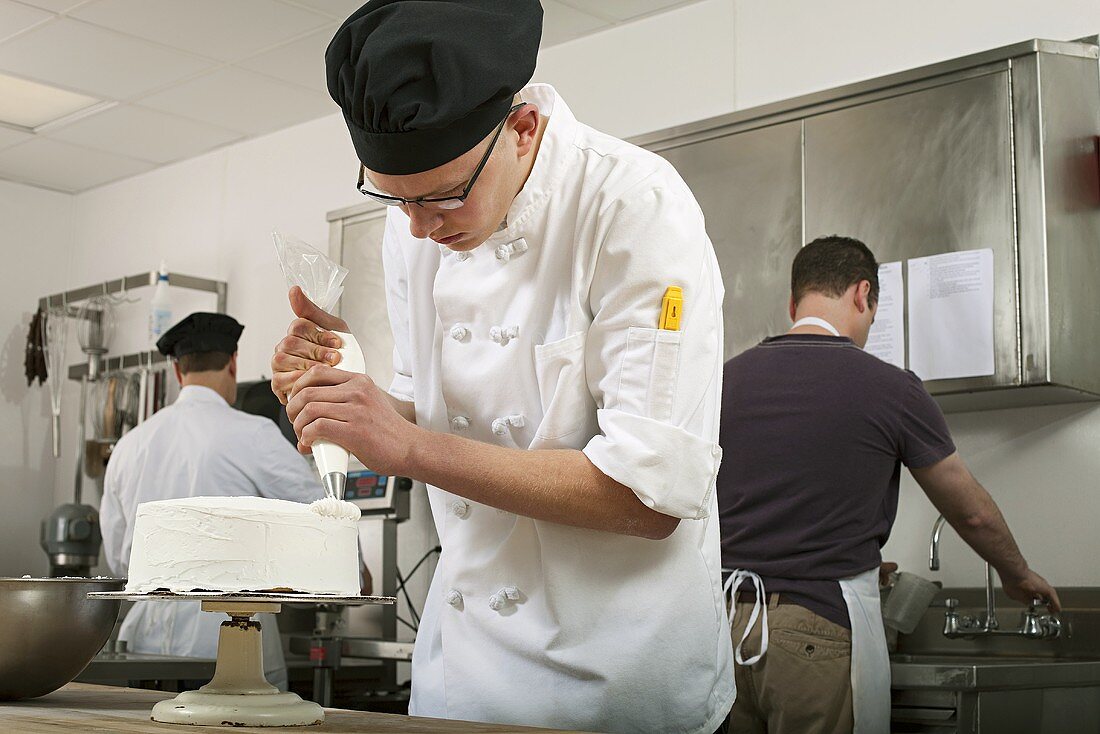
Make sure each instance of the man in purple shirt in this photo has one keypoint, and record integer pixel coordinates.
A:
(814, 433)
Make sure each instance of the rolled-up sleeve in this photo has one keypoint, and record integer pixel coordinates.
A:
(397, 305)
(657, 392)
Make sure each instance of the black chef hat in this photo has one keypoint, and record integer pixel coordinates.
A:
(201, 332)
(423, 81)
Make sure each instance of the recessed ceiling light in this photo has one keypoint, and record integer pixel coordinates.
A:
(31, 105)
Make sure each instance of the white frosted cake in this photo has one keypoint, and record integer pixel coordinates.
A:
(245, 544)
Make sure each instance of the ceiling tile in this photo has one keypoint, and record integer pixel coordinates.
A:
(240, 100)
(146, 134)
(337, 9)
(9, 137)
(561, 23)
(215, 28)
(15, 18)
(30, 104)
(85, 58)
(65, 167)
(56, 6)
(620, 10)
(299, 62)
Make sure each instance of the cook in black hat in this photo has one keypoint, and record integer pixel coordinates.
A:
(566, 431)
(201, 332)
(428, 91)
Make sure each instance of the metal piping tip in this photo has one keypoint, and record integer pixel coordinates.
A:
(334, 484)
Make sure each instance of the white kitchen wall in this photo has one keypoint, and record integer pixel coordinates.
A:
(36, 256)
(665, 70)
(211, 216)
(785, 48)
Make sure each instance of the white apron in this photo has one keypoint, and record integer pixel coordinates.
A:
(870, 658)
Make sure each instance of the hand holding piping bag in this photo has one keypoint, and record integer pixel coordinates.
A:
(316, 285)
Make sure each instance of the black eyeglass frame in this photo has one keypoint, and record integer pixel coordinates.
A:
(460, 199)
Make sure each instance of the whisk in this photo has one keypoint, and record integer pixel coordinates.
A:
(57, 330)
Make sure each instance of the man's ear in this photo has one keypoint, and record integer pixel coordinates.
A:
(233, 366)
(178, 371)
(862, 295)
(525, 124)
(792, 307)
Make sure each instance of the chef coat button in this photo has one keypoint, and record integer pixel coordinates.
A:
(460, 509)
(453, 598)
(460, 423)
(503, 334)
(500, 425)
(502, 597)
(509, 250)
(459, 332)
(462, 256)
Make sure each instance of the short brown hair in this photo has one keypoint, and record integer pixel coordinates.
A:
(203, 361)
(831, 265)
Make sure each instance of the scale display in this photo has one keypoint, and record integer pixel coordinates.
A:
(370, 491)
(365, 484)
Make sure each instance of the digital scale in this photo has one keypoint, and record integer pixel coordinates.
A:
(377, 494)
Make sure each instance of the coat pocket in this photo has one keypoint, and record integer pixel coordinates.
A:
(651, 366)
(567, 404)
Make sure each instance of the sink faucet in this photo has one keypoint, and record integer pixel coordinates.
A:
(1035, 624)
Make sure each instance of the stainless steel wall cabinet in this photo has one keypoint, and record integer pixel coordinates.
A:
(995, 150)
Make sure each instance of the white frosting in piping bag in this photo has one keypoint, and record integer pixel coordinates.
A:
(330, 457)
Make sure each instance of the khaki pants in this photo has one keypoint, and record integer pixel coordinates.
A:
(803, 684)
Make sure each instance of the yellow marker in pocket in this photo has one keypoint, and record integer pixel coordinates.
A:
(671, 306)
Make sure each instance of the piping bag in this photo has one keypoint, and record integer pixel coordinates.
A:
(332, 460)
(322, 280)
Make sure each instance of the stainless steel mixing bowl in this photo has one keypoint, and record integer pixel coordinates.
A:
(49, 631)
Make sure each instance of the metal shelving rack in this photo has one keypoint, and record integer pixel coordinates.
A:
(120, 285)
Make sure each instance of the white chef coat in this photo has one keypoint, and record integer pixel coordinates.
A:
(198, 446)
(544, 337)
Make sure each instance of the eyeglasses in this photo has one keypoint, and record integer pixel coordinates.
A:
(441, 202)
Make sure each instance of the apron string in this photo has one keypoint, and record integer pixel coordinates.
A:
(759, 612)
(815, 321)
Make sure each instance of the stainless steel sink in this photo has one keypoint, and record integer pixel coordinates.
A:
(990, 672)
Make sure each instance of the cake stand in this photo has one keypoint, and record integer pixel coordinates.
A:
(239, 694)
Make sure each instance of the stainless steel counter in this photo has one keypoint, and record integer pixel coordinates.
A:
(121, 667)
(974, 673)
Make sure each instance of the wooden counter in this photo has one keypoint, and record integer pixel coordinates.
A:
(88, 709)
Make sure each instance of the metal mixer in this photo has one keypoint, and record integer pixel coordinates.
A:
(71, 538)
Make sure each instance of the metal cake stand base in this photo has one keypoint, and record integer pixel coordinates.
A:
(239, 694)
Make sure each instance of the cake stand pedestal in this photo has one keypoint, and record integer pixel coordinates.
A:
(239, 694)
